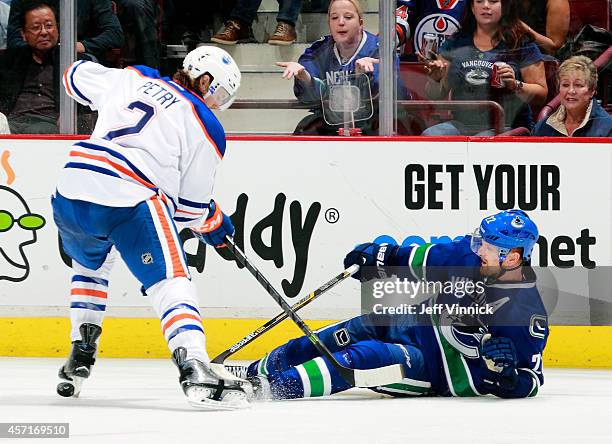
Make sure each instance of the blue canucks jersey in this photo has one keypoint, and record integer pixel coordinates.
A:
(323, 62)
(437, 343)
(450, 342)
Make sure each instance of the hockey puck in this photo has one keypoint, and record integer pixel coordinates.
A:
(65, 389)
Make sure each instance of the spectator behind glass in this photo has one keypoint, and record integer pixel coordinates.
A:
(349, 48)
(547, 21)
(98, 28)
(29, 75)
(138, 20)
(490, 32)
(579, 114)
(238, 27)
(4, 15)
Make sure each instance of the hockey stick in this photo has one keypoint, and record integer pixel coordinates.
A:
(220, 359)
(355, 377)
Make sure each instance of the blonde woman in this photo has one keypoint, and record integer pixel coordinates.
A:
(349, 48)
(579, 114)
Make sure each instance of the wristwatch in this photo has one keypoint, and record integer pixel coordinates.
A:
(518, 85)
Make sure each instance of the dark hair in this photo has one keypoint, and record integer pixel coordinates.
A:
(510, 30)
(31, 5)
(181, 77)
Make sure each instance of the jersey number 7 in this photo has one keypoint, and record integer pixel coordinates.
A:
(149, 113)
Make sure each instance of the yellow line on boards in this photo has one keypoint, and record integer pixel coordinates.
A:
(568, 346)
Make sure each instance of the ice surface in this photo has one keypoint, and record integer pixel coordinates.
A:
(140, 401)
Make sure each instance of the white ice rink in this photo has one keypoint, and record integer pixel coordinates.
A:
(139, 401)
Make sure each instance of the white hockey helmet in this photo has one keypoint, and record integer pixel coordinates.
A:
(221, 67)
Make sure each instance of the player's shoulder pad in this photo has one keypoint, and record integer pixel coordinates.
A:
(145, 71)
(456, 253)
(205, 117)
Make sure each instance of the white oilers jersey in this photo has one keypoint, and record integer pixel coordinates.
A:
(152, 137)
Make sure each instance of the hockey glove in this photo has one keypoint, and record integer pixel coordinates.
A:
(215, 228)
(371, 255)
(499, 362)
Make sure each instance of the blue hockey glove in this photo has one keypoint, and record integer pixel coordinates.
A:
(215, 228)
(371, 255)
(499, 361)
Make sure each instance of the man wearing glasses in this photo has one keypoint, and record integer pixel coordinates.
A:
(29, 76)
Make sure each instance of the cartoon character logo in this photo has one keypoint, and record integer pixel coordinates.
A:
(18, 227)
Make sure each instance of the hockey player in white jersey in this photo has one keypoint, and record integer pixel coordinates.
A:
(147, 171)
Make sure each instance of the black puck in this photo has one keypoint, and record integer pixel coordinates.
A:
(65, 389)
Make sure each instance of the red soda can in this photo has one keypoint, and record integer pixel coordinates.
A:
(496, 80)
(429, 46)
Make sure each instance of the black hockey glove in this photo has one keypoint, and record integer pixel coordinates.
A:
(371, 255)
(499, 362)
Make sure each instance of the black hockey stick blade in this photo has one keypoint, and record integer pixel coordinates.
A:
(355, 377)
(220, 359)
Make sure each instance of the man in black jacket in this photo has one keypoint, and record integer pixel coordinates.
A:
(30, 77)
(98, 28)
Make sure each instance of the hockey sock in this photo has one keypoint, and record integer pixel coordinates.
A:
(282, 358)
(176, 304)
(88, 295)
(316, 377)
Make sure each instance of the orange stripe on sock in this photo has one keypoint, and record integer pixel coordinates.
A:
(177, 267)
(88, 292)
(176, 318)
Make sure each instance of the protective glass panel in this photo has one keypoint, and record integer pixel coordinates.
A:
(346, 100)
(474, 93)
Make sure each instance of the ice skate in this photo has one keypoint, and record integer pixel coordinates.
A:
(239, 371)
(78, 366)
(260, 388)
(205, 389)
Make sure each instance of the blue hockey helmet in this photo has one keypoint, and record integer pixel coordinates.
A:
(507, 230)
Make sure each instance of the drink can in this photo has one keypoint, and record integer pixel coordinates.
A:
(429, 45)
(496, 80)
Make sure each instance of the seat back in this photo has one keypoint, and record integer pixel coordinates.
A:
(593, 12)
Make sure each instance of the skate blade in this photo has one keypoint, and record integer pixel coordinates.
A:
(200, 400)
(70, 389)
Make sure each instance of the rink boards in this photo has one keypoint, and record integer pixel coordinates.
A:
(299, 205)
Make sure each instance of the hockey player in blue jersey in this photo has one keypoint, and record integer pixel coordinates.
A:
(496, 351)
(146, 172)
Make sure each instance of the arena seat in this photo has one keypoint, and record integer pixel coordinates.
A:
(593, 12)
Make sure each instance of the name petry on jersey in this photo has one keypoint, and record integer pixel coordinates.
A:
(152, 137)
(449, 338)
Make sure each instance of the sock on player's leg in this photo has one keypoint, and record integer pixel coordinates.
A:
(176, 304)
